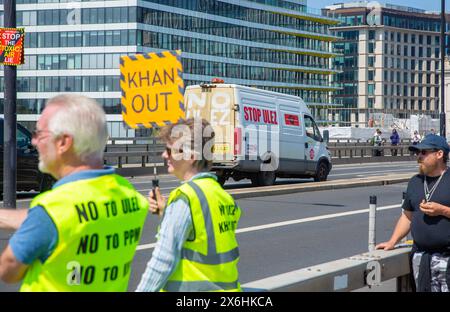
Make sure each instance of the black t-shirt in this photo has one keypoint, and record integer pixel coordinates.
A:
(429, 233)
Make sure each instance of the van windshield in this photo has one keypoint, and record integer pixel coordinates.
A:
(311, 129)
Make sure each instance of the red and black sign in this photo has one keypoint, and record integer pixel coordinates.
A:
(291, 120)
(311, 153)
(11, 46)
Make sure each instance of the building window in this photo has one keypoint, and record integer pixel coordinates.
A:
(371, 75)
(371, 61)
(371, 88)
(371, 47)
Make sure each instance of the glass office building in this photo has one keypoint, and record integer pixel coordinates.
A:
(390, 62)
(271, 44)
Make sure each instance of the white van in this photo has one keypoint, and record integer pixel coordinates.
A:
(260, 135)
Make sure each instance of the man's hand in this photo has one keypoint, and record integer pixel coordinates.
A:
(386, 245)
(157, 205)
(432, 209)
(11, 269)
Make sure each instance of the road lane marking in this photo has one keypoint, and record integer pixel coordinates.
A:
(161, 189)
(297, 221)
(150, 181)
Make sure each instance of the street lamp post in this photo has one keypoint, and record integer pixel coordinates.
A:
(10, 120)
(442, 113)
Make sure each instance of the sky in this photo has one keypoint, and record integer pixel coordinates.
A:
(429, 5)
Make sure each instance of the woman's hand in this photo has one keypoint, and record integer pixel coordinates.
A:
(156, 205)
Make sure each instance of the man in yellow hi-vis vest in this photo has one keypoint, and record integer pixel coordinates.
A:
(82, 234)
(197, 248)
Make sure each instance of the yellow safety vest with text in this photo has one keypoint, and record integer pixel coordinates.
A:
(209, 262)
(99, 223)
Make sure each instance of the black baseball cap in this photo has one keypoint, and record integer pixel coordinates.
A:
(431, 142)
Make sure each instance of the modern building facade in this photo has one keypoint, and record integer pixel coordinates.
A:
(271, 44)
(390, 62)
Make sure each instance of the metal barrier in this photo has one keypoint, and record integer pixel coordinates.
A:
(356, 272)
(368, 153)
(360, 141)
(129, 154)
(141, 156)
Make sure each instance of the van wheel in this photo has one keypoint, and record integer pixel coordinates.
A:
(255, 181)
(221, 180)
(322, 172)
(266, 178)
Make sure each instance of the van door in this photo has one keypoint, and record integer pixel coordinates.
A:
(292, 141)
(313, 142)
(216, 106)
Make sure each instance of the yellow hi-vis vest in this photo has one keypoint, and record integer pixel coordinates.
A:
(210, 261)
(99, 223)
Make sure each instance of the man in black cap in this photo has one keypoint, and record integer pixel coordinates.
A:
(426, 212)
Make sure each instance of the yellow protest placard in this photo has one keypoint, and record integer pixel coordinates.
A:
(152, 89)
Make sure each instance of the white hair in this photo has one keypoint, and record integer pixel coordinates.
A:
(83, 119)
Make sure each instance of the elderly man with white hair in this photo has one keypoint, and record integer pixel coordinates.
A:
(82, 234)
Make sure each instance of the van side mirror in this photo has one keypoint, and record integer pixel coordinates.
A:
(326, 136)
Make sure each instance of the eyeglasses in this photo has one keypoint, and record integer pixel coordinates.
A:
(37, 133)
(425, 152)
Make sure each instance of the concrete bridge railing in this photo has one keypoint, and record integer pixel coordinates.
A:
(353, 273)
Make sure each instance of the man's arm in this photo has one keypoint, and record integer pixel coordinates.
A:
(401, 229)
(11, 219)
(11, 269)
(34, 240)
